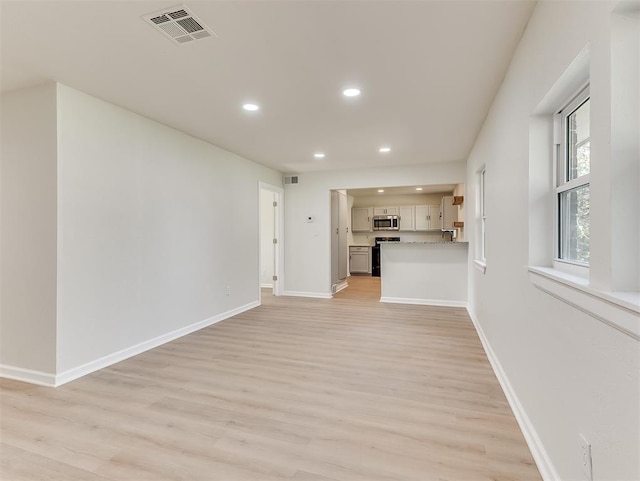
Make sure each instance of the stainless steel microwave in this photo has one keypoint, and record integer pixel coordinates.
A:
(386, 222)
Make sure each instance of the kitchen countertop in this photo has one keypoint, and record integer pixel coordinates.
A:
(427, 242)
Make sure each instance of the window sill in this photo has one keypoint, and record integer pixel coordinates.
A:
(571, 268)
(620, 310)
(480, 265)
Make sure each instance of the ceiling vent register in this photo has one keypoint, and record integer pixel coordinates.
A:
(179, 25)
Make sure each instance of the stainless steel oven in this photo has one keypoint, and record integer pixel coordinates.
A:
(375, 254)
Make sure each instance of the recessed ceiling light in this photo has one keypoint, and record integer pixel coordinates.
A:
(351, 92)
(418, 188)
(384, 150)
(381, 190)
(251, 107)
(319, 155)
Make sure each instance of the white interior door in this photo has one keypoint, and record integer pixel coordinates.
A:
(271, 237)
(339, 244)
(343, 226)
(335, 236)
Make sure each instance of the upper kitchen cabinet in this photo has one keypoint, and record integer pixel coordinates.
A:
(427, 217)
(449, 213)
(385, 211)
(361, 219)
(407, 222)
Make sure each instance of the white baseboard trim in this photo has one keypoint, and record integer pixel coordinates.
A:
(423, 302)
(539, 453)
(317, 295)
(342, 285)
(123, 354)
(27, 375)
(266, 286)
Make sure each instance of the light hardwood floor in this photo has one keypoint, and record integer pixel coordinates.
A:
(297, 389)
(361, 288)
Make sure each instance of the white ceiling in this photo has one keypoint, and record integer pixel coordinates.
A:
(428, 71)
(444, 189)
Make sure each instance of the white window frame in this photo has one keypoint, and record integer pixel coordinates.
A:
(483, 216)
(619, 309)
(481, 261)
(564, 185)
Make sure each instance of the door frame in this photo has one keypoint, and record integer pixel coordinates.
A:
(279, 234)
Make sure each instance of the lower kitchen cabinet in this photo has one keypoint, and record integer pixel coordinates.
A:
(359, 262)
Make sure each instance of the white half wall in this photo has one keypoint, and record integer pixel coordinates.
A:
(569, 373)
(157, 231)
(28, 233)
(424, 273)
(308, 244)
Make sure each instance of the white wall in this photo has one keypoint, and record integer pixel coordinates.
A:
(118, 233)
(571, 373)
(308, 245)
(28, 231)
(155, 227)
(625, 154)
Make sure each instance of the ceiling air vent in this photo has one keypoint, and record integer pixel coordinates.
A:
(293, 179)
(179, 24)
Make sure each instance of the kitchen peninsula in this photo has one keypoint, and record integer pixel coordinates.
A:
(424, 272)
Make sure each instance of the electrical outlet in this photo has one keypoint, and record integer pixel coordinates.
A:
(585, 458)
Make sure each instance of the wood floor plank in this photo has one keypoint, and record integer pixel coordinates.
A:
(299, 389)
(21, 465)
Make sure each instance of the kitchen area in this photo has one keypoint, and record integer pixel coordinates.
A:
(412, 239)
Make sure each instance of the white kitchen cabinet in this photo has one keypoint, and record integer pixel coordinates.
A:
(422, 217)
(427, 217)
(361, 219)
(407, 221)
(434, 217)
(449, 213)
(359, 259)
(385, 211)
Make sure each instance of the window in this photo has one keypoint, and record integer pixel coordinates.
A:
(572, 191)
(480, 260)
(561, 256)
